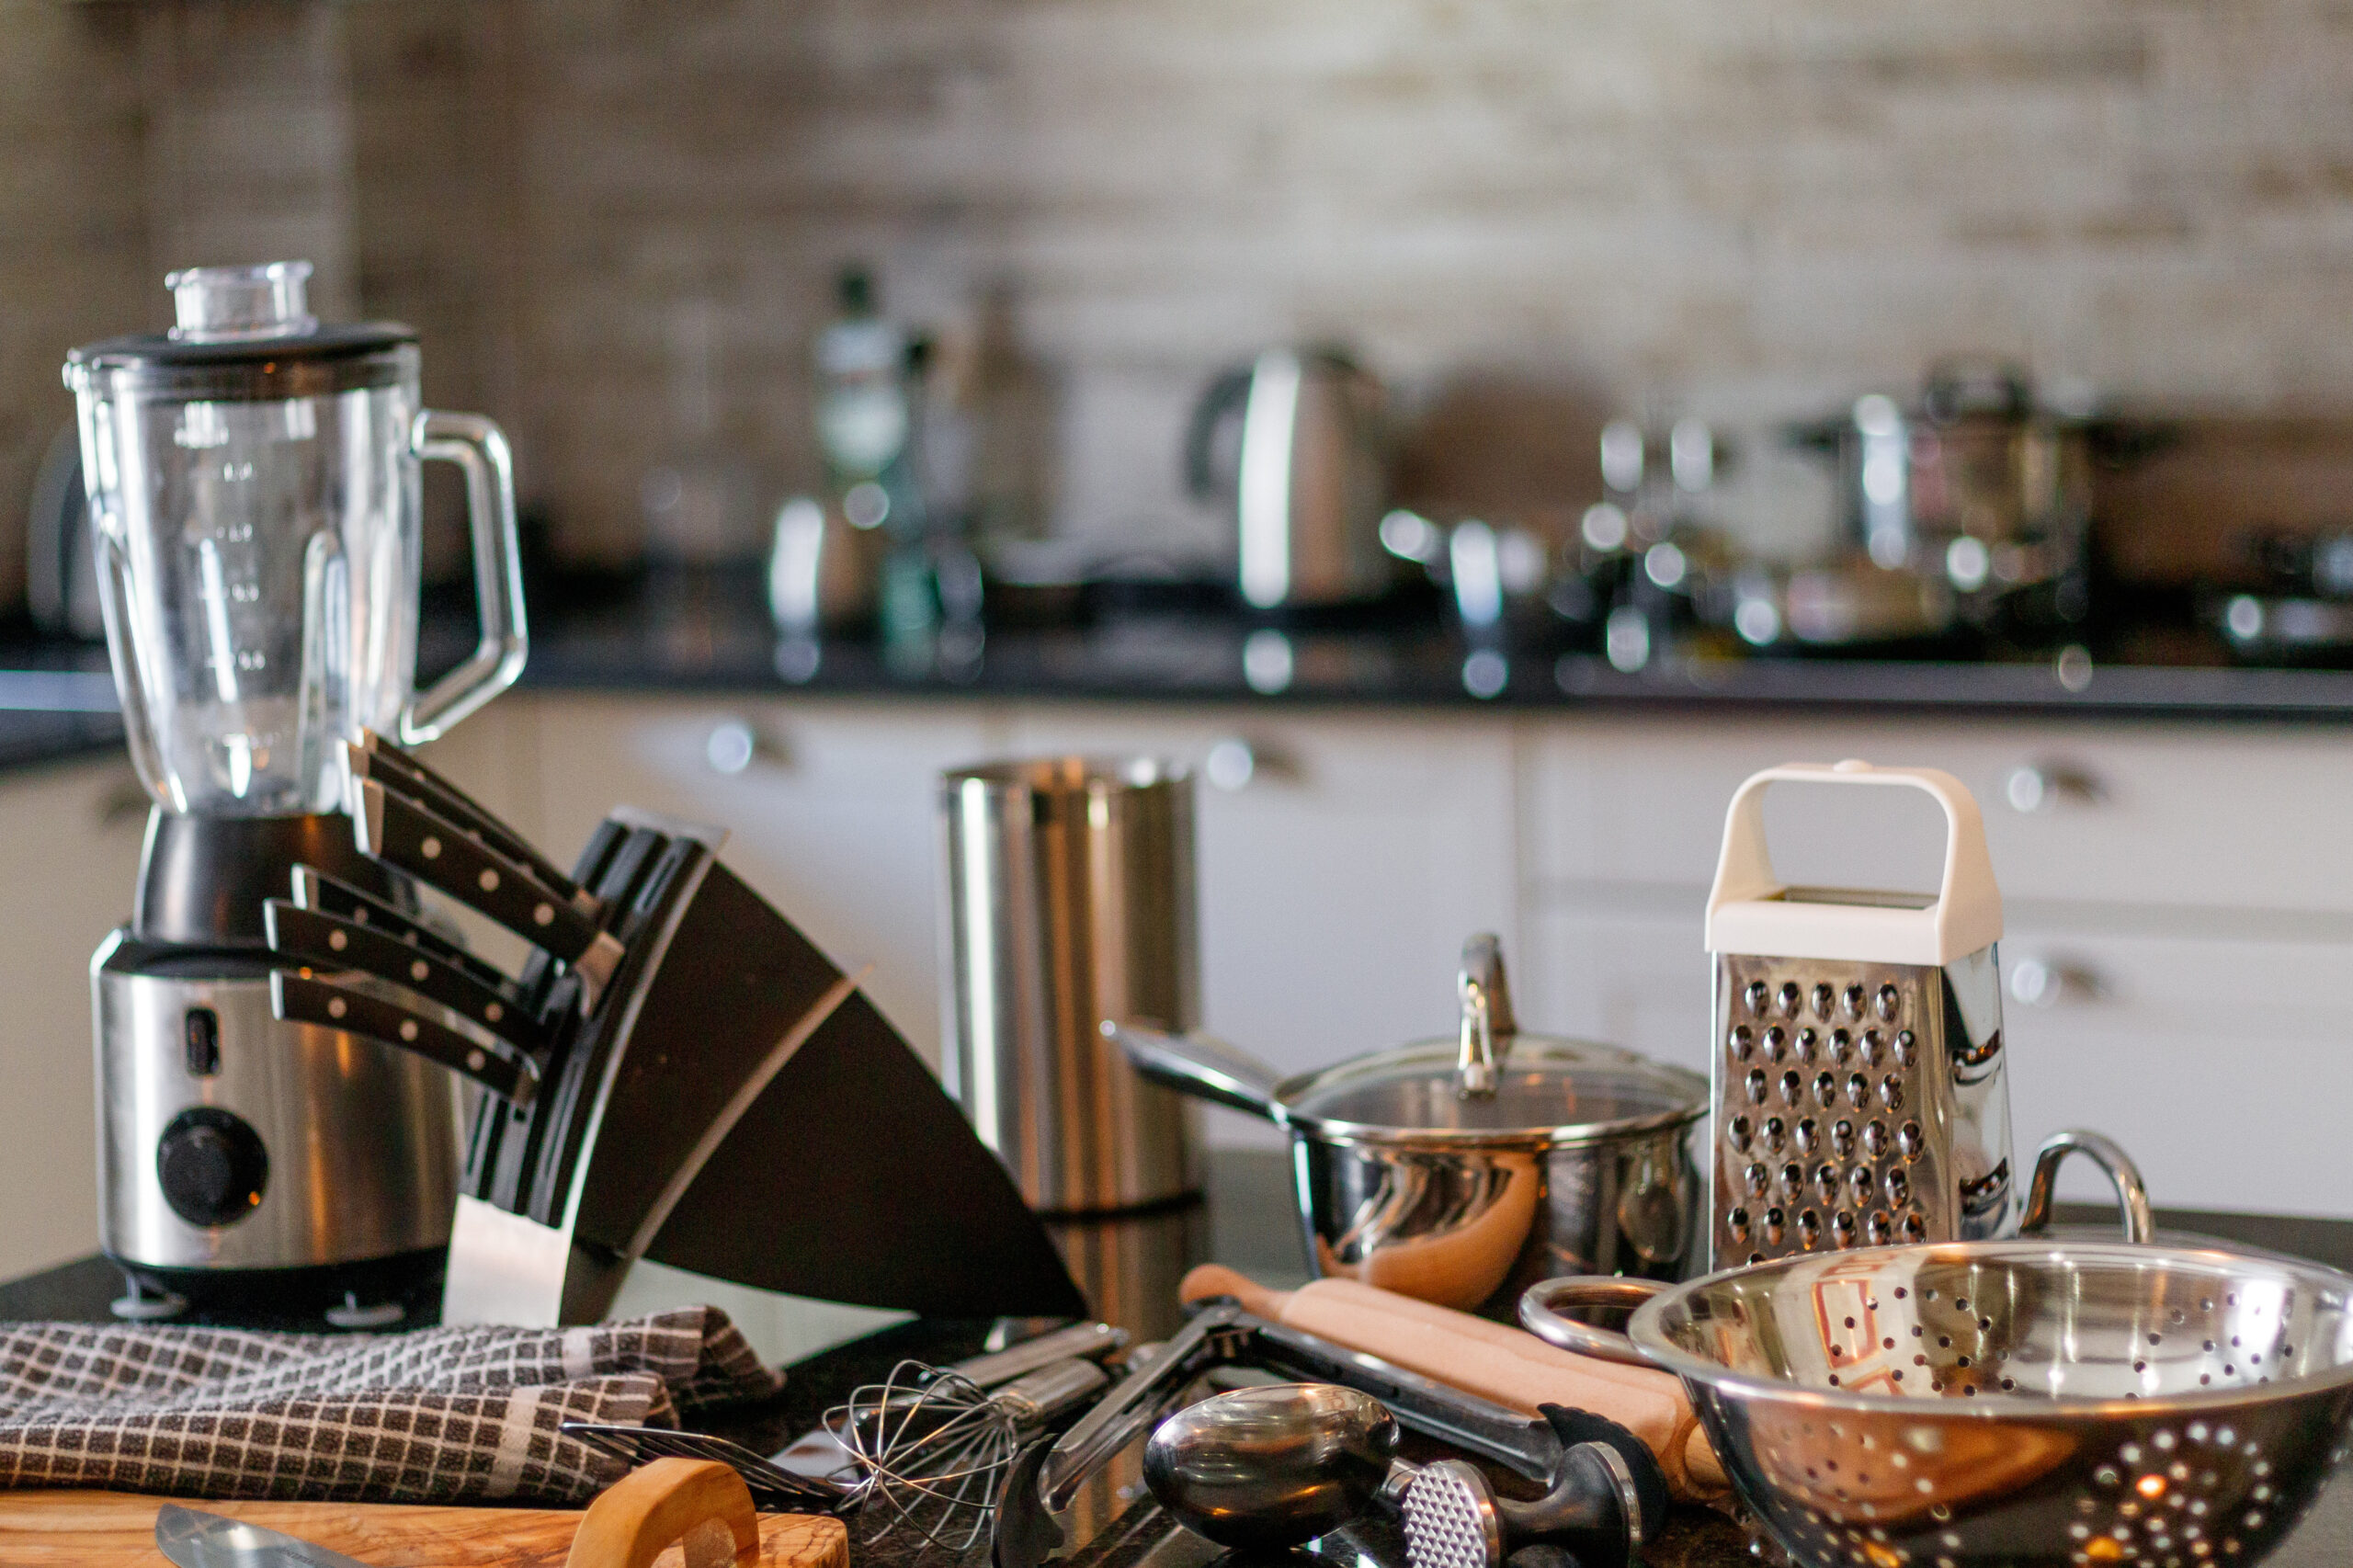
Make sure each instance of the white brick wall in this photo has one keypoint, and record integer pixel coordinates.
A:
(1750, 210)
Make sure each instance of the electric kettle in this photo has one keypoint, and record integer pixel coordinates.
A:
(1295, 442)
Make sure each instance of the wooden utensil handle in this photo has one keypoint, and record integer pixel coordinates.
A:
(665, 1503)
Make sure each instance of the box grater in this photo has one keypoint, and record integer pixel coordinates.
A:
(1859, 1091)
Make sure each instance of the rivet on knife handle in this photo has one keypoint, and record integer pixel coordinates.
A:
(314, 890)
(404, 833)
(300, 996)
(375, 756)
(326, 940)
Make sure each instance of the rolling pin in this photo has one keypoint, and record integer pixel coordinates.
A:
(1506, 1365)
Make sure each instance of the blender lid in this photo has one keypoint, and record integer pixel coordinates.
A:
(242, 316)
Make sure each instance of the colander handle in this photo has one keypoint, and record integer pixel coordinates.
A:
(1966, 915)
(1541, 1305)
(2131, 1193)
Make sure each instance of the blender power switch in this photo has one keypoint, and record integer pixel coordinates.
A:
(201, 1032)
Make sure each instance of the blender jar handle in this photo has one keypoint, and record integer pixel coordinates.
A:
(477, 446)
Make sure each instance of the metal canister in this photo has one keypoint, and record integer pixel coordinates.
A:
(1068, 902)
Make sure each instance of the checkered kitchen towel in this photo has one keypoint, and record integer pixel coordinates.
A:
(437, 1416)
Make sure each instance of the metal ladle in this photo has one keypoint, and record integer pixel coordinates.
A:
(1278, 1466)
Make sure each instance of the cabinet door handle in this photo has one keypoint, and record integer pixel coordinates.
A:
(1235, 763)
(2043, 786)
(733, 744)
(2038, 982)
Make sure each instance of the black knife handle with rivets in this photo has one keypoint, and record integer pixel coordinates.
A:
(328, 941)
(305, 998)
(410, 836)
(314, 890)
(376, 757)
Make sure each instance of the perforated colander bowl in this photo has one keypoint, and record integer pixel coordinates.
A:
(2017, 1402)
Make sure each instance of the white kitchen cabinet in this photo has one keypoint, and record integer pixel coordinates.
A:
(1338, 879)
(829, 805)
(2215, 817)
(69, 855)
(2185, 894)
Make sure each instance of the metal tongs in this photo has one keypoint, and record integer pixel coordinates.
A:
(1045, 1480)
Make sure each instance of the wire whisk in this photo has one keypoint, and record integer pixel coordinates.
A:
(931, 1447)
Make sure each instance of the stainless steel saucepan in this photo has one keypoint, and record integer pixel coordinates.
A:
(1463, 1170)
(2024, 1402)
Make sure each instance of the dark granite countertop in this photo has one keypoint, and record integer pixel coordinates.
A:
(709, 633)
(1142, 1537)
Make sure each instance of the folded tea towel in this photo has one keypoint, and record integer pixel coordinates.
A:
(434, 1416)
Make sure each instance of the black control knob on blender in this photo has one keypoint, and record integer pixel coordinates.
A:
(212, 1166)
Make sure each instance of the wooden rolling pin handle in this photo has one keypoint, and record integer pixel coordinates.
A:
(704, 1507)
(1209, 1280)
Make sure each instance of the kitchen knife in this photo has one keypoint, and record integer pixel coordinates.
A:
(314, 889)
(303, 996)
(410, 836)
(375, 758)
(331, 942)
(193, 1538)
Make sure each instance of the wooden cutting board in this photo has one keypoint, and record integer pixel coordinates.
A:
(116, 1530)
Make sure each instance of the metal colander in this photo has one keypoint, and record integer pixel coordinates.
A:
(2017, 1403)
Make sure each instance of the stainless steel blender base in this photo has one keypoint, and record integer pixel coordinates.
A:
(229, 1140)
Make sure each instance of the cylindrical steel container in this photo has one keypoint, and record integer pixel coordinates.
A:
(1067, 902)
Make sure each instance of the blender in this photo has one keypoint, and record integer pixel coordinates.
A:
(255, 498)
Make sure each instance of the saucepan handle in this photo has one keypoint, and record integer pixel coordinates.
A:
(1540, 1307)
(2131, 1193)
(1200, 1064)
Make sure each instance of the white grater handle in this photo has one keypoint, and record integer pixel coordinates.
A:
(1747, 914)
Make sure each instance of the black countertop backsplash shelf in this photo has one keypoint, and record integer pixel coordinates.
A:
(709, 633)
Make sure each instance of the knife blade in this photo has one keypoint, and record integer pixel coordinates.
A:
(193, 1538)
(328, 941)
(304, 996)
(374, 756)
(314, 889)
(410, 836)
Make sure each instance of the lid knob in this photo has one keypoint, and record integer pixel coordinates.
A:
(1487, 1022)
(227, 305)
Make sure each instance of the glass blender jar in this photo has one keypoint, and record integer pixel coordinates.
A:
(255, 498)
(254, 491)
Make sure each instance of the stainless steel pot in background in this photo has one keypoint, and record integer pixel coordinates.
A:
(1462, 1170)
(1067, 902)
(1979, 482)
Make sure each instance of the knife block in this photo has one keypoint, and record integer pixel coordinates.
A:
(725, 1101)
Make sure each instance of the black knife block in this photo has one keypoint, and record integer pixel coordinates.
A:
(731, 1105)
